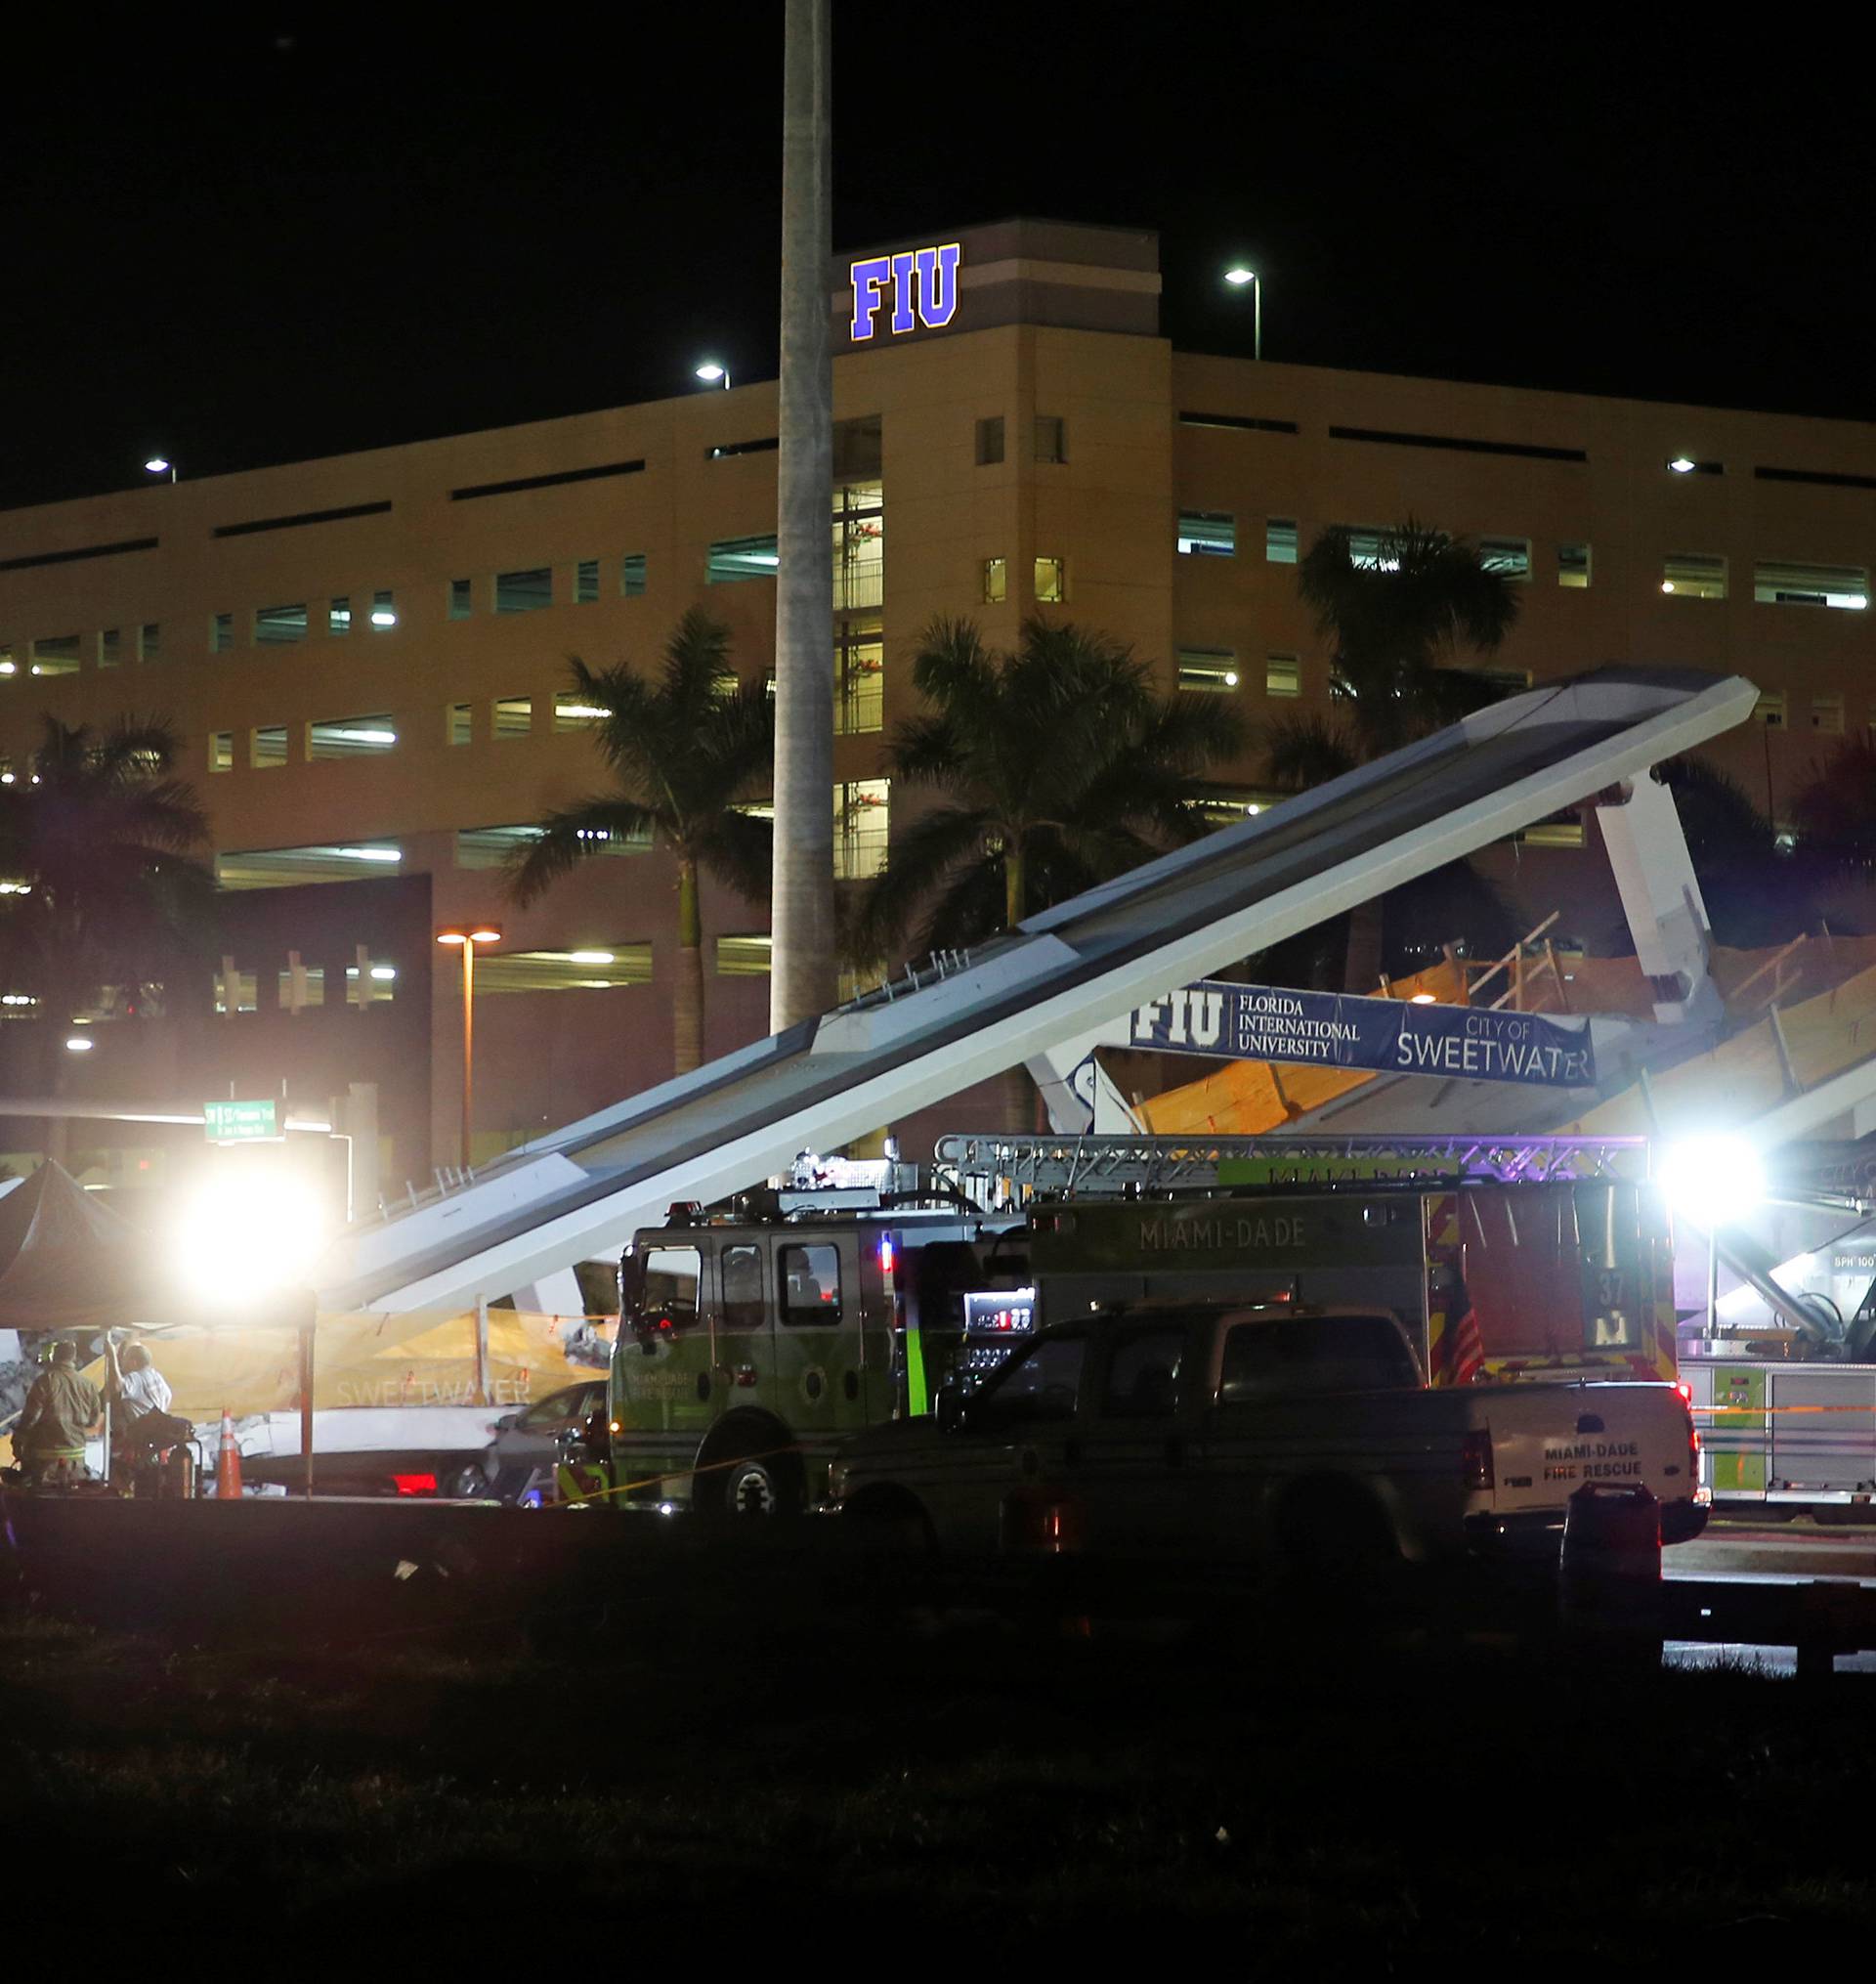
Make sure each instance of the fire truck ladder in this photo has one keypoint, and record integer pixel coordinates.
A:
(1123, 1164)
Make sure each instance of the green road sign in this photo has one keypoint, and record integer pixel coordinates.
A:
(242, 1122)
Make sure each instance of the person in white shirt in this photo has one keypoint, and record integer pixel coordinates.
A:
(136, 1384)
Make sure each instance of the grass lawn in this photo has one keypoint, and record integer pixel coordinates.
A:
(715, 1778)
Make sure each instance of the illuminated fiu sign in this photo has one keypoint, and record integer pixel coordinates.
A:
(924, 289)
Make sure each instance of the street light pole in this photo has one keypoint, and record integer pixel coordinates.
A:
(468, 940)
(1238, 276)
(468, 1045)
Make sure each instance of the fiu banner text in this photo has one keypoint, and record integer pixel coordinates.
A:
(1334, 1030)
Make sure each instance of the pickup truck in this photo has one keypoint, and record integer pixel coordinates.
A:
(1265, 1435)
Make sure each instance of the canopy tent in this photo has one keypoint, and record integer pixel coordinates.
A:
(67, 1263)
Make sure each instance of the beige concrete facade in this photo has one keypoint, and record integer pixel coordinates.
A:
(1142, 443)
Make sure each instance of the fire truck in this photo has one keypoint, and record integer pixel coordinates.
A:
(757, 1335)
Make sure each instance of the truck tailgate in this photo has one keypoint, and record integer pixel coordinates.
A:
(1548, 1440)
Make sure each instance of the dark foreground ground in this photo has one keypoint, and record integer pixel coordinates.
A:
(732, 1762)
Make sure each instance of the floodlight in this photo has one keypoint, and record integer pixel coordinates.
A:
(248, 1236)
(1713, 1180)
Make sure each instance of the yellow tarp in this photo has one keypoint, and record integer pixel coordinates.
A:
(422, 1360)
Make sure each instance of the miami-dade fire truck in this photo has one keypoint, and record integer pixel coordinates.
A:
(755, 1337)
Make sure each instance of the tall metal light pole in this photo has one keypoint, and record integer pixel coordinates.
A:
(803, 971)
(483, 933)
(1238, 277)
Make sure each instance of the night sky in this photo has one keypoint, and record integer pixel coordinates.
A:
(249, 244)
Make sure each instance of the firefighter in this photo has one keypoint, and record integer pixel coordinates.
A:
(61, 1411)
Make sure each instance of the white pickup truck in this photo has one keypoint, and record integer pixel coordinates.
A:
(1222, 1433)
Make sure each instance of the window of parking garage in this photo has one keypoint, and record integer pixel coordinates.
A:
(1052, 438)
(859, 544)
(496, 847)
(734, 559)
(525, 592)
(350, 737)
(1769, 708)
(862, 826)
(220, 751)
(631, 575)
(859, 676)
(575, 712)
(110, 647)
(1693, 574)
(1574, 566)
(1283, 674)
(1207, 534)
(237, 991)
(586, 581)
(375, 982)
(743, 957)
(996, 580)
(291, 867)
(1051, 581)
(278, 625)
(384, 609)
(1776, 583)
(511, 716)
(57, 656)
(149, 641)
(458, 724)
(1225, 805)
(1559, 830)
(338, 615)
(989, 441)
(221, 633)
(592, 967)
(1505, 557)
(1280, 541)
(1208, 670)
(462, 598)
(266, 746)
(1827, 714)
(301, 987)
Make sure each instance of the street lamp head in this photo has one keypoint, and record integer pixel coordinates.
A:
(476, 934)
(157, 465)
(710, 372)
(1238, 276)
(485, 935)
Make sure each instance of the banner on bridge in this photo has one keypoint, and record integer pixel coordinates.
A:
(1391, 1036)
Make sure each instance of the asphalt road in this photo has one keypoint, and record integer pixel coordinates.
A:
(1772, 1553)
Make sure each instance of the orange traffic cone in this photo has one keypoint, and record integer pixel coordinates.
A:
(227, 1466)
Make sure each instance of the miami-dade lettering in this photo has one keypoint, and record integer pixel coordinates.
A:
(915, 285)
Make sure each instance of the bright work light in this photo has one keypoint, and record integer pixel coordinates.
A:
(1714, 1180)
(245, 1237)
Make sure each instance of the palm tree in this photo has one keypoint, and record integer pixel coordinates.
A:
(1395, 624)
(99, 845)
(688, 750)
(1055, 768)
(1836, 807)
(1755, 891)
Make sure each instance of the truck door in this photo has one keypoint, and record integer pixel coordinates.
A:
(743, 1367)
(1131, 1457)
(818, 1337)
(1006, 1475)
